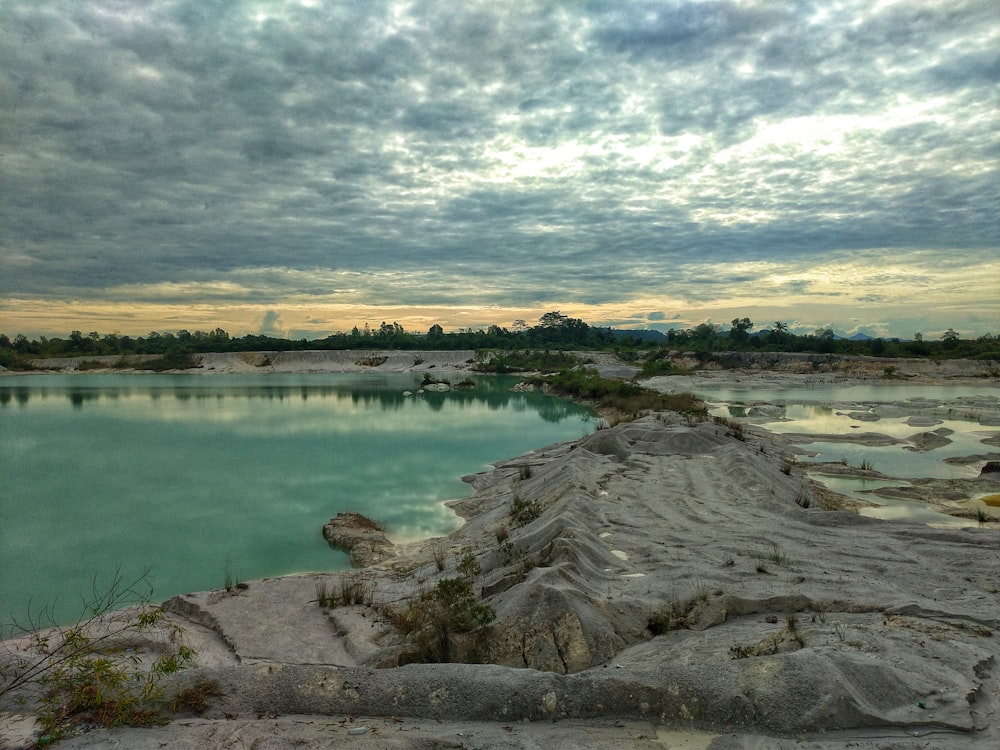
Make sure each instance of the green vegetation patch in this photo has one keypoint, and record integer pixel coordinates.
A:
(624, 396)
(449, 608)
(527, 361)
(176, 360)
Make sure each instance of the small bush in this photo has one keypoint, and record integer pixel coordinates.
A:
(622, 396)
(230, 580)
(658, 364)
(350, 589)
(469, 566)
(177, 360)
(678, 613)
(91, 364)
(371, 361)
(777, 554)
(527, 361)
(195, 698)
(740, 651)
(734, 429)
(523, 512)
(440, 555)
(451, 607)
(323, 598)
(773, 554)
(508, 552)
(84, 672)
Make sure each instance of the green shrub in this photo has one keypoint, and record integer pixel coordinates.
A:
(451, 607)
(658, 363)
(469, 566)
(527, 361)
(84, 673)
(625, 396)
(350, 589)
(90, 364)
(195, 698)
(176, 360)
(734, 429)
(523, 512)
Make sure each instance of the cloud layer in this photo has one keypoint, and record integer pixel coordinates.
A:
(614, 159)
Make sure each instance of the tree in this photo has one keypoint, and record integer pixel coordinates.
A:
(435, 331)
(553, 319)
(740, 332)
(779, 333)
(950, 338)
(825, 340)
(704, 332)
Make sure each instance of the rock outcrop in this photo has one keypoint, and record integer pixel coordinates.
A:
(360, 537)
(990, 470)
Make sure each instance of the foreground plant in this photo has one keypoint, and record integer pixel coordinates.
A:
(91, 672)
(434, 619)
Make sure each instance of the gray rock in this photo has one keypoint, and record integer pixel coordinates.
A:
(361, 537)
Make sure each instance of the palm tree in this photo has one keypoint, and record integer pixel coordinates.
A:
(780, 329)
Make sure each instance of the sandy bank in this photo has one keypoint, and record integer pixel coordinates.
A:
(765, 368)
(340, 361)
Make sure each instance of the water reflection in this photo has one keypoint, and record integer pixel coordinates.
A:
(889, 508)
(854, 412)
(181, 473)
(388, 393)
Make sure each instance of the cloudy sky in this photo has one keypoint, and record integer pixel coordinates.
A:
(300, 167)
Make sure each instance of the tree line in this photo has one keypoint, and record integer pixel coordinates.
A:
(553, 331)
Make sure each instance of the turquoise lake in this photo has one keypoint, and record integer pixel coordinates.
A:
(190, 475)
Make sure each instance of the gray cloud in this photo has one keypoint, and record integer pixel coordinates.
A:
(498, 154)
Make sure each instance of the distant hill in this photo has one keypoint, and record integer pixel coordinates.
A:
(861, 337)
(639, 334)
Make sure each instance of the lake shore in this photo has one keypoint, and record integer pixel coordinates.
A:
(727, 367)
(661, 583)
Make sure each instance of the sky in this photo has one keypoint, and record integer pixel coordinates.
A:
(297, 168)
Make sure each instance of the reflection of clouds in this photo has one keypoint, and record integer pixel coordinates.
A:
(308, 409)
(823, 419)
(179, 477)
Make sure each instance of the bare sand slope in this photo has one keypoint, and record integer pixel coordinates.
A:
(338, 361)
(656, 584)
(331, 361)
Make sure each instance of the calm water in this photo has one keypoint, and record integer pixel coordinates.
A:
(803, 413)
(189, 474)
